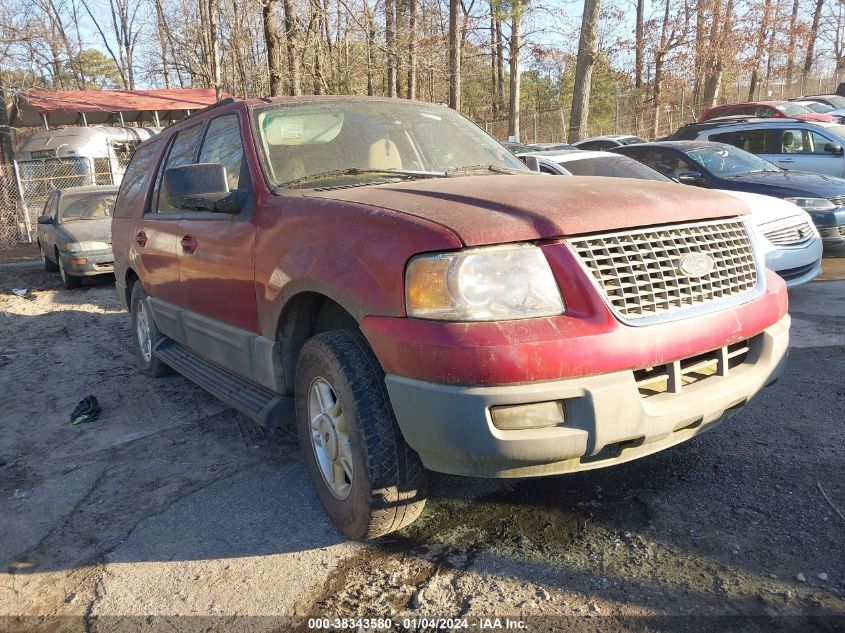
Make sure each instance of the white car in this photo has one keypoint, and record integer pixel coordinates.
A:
(784, 232)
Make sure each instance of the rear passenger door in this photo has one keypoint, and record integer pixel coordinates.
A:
(216, 250)
(804, 150)
(759, 141)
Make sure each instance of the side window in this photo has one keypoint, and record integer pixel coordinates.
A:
(795, 142)
(129, 197)
(223, 145)
(756, 141)
(764, 113)
(818, 141)
(183, 150)
(660, 161)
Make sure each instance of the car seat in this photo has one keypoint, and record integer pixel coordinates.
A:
(788, 143)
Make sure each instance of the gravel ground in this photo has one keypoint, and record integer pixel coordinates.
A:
(172, 505)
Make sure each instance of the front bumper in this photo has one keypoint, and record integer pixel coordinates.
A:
(796, 265)
(607, 421)
(831, 227)
(96, 263)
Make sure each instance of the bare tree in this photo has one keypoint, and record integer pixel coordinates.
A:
(584, 70)
(454, 56)
(793, 35)
(292, 48)
(412, 50)
(811, 38)
(273, 42)
(758, 50)
(515, 76)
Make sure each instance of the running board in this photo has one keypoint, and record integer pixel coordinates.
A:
(263, 406)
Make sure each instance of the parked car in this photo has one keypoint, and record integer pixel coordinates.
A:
(834, 101)
(601, 143)
(784, 232)
(690, 131)
(720, 166)
(838, 114)
(518, 148)
(421, 301)
(793, 145)
(74, 233)
(764, 110)
(545, 147)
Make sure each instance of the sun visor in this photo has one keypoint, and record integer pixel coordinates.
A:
(281, 128)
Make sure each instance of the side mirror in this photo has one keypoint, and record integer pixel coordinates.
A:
(200, 187)
(834, 148)
(45, 219)
(691, 178)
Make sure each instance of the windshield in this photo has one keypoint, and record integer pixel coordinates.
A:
(630, 140)
(792, 109)
(726, 160)
(313, 144)
(815, 106)
(616, 167)
(92, 206)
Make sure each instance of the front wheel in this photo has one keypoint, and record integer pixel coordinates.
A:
(68, 281)
(367, 478)
(145, 334)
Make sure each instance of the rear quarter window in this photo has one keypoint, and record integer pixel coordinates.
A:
(130, 197)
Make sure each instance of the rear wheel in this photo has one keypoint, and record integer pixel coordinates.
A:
(49, 265)
(145, 334)
(367, 478)
(69, 281)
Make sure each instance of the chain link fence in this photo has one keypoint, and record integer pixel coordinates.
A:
(25, 187)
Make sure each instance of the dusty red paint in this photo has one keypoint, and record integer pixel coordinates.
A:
(586, 341)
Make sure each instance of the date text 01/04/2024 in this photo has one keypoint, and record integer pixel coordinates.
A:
(416, 624)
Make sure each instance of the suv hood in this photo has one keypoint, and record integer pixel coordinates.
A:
(795, 183)
(497, 209)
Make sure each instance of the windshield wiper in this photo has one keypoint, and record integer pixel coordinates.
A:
(357, 171)
(483, 168)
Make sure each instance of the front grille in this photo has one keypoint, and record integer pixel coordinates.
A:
(793, 235)
(839, 202)
(833, 232)
(640, 271)
(673, 377)
(104, 266)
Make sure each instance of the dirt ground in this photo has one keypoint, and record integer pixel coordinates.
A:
(172, 512)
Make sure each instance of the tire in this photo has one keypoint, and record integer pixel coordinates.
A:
(142, 320)
(386, 490)
(49, 265)
(68, 281)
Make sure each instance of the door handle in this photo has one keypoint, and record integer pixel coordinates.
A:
(786, 160)
(141, 239)
(189, 244)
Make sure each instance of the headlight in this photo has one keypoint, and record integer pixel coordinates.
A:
(812, 204)
(485, 284)
(77, 247)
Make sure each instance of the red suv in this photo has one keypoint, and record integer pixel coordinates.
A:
(393, 278)
(765, 110)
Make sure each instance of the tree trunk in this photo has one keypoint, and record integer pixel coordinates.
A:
(454, 56)
(7, 154)
(493, 62)
(700, 47)
(758, 50)
(412, 50)
(273, 41)
(291, 48)
(584, 70)
(515, 79)
(811, 38)
(790, 50)
(639, 45)
(390, 41)
(500, 62)
(162, 42)
(214, 46)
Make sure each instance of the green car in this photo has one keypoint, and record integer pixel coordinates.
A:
(74, 233)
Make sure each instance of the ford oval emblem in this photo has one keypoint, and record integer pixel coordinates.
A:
(697, 264)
